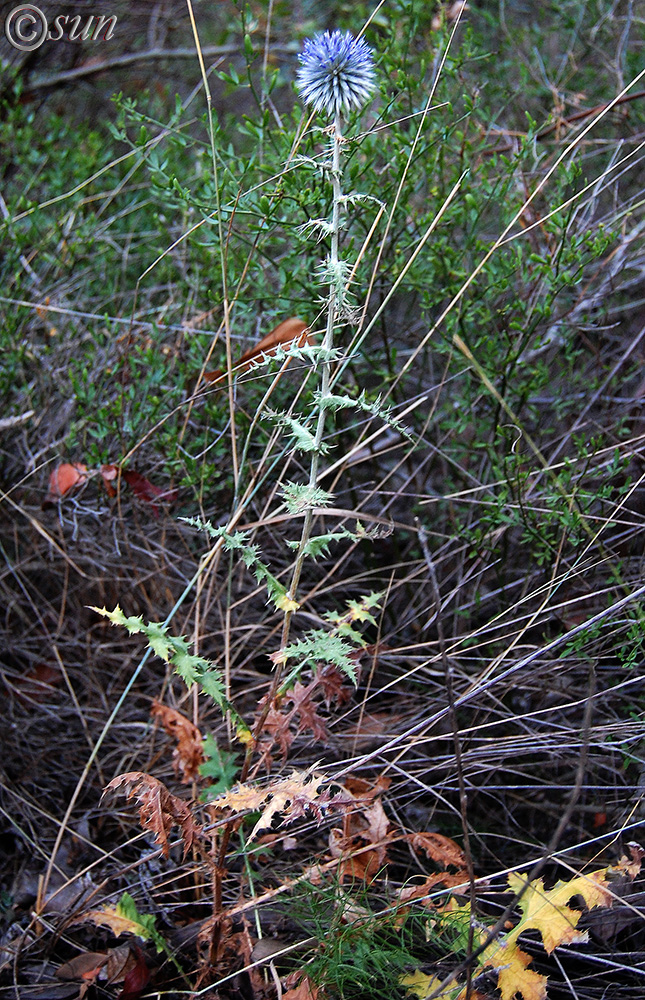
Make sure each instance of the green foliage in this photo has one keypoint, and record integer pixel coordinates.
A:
(248, 553)
(175, 650)
(337, 647)
(363, 951)
(126, 907)
(220, 766)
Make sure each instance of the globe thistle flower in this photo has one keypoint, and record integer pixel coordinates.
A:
(336, 74)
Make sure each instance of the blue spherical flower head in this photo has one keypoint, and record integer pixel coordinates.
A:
(336, 72)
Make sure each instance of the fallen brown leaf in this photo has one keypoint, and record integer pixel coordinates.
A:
(290, 331)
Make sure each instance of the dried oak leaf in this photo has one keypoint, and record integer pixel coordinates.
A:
(189, 753)
(159, 810)
(442, 850)
(299, 793)
(430, 885)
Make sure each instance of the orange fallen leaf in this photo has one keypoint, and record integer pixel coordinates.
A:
(290, 331)
(36, 684)
(438, 848)
(300, 987)
(64, 478)
(109, 474)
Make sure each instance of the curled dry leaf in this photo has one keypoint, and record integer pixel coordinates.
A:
(442, 850)
(159, 810)
(189, 754)
(290, 331)
(63, 479)
(361, 847)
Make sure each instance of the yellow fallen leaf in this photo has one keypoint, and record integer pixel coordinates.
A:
(546, 911)
(420, 985)
(513, 977)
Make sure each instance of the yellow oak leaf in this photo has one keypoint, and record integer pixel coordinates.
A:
(546, 910)
(513, 977)
(420, 985)
(592, 887)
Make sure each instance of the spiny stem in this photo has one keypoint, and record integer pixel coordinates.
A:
(328, 343)
(333, 310)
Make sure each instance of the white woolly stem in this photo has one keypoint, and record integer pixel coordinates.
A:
(333, 310)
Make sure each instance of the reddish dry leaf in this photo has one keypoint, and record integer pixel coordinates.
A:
(189, 754)
(361, 847)
(36, 684)
(159, 811)
(120, 961)
(64, 478)
(444, 879)
(439, 849)
(296, 712)
(290, 331)
(145, 490)
(358, 861)
(366, 790)
(136, 978)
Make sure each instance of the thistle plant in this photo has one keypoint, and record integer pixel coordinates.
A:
(336, 76)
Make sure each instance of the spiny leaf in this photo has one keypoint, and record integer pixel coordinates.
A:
(117, 617)
(293, 796)
(300, 497)
(320, 647)
(303, 439)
